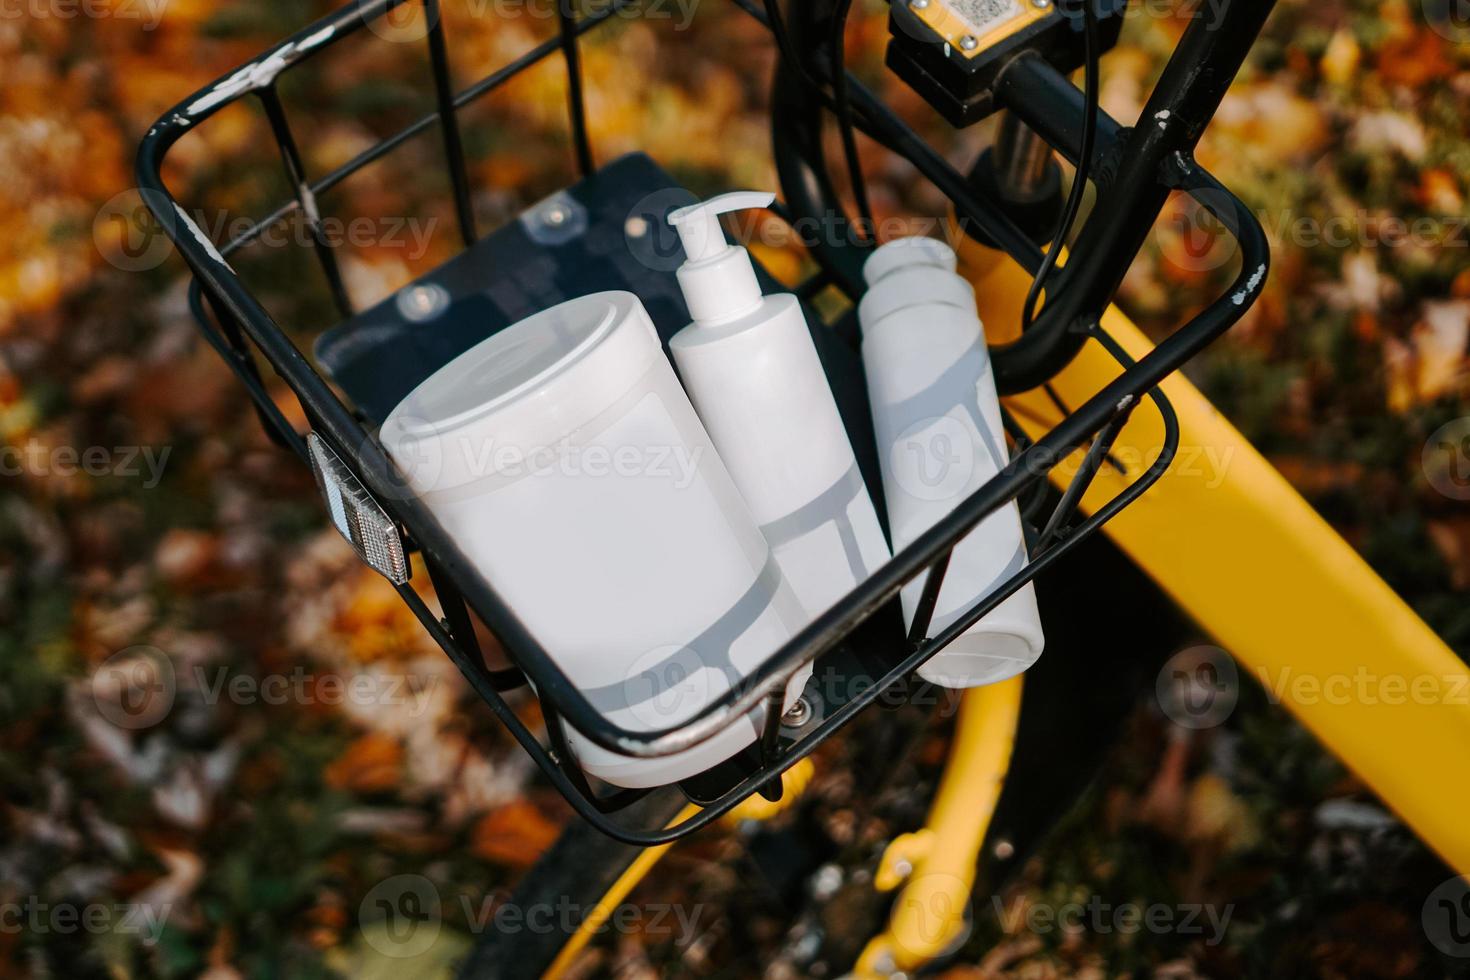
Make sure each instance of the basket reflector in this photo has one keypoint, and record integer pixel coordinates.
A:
(359, 518)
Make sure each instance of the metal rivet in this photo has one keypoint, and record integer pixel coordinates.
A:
(1041, 4)
(636, 226)
(918, 4)
(1004, 849)
(969, 43)
(423, 302)
(556, 214)
(798, 714)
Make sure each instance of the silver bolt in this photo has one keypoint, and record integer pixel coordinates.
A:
(969, 43)
(918, 4)
(1041, 4)
(425, 301)
(798, 714)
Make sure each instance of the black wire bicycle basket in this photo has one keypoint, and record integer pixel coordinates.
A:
(1134, 169)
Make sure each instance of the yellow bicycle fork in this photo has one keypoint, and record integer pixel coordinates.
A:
(936, 865)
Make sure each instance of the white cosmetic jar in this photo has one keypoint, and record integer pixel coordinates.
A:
(566, 461)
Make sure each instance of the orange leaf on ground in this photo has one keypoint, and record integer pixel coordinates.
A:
(513, 834)
(185, 556)
(1461, 285)
(1340, 61)
(1432, 363)
(1439, 191)
(371, 764)
(375, 622)
(1416, 60)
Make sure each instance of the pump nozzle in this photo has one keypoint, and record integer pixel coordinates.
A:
(698, 225)
(717, 278)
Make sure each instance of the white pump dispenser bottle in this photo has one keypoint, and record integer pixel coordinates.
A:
(752, 371)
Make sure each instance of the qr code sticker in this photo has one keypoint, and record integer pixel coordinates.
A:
(982, 16)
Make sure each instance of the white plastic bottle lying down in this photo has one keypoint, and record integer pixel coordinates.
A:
(937, 419)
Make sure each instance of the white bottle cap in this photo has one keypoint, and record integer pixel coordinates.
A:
(717, 278)
(910, 285)
(524, 388)
(902, 252)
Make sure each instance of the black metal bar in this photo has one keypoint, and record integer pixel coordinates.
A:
(449, 122)
(305, 197)
(1034, 92)
(232, 348)
(561, 751)
(770, 738)
(566, 760)
(1102, 444)
(456, 614)
(928, 599)
(566, 16)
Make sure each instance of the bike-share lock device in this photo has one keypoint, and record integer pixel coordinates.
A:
(953, 51)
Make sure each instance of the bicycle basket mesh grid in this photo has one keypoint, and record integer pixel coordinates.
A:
(391, 521)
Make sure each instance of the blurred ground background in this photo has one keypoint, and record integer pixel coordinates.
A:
(260, 821)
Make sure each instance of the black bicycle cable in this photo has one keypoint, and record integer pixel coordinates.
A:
(1090, 87)
(842, 109)
(841, 105)
(777, 22)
